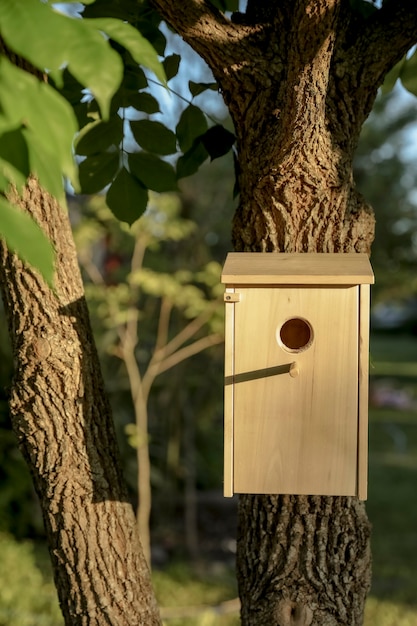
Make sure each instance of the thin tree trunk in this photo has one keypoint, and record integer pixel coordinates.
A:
(140, 392)
(62, 418)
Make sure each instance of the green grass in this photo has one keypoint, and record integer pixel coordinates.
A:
(198, 599)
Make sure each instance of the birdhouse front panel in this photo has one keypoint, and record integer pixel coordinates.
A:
(293, 379)
(296, 390)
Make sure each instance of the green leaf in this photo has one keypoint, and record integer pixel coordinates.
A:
(392, 77)
(152, 172)
(192, 159)
(226, 5)
(127, 198)
(99, 136)
(155, 37)
(65, 42)
(109, 8)
(218, 141)
(53, 2)
(171, 65)
(98, 171)
(24, 237)
(134, 79)
(45, 166)
(70, 88)
(14, 159)
(144, 102)
(154, 136)
(363, 7)
(408, 74)
(25, 101)
(127, 36)
(191, 125)
(197, 88)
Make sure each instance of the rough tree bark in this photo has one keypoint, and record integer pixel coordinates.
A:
(299, 78)
(63, 421)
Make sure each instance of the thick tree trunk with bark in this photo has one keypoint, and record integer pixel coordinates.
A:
(299, 78)
(63, 421)
(302, 560)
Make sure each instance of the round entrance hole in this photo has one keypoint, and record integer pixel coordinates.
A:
(296, 335)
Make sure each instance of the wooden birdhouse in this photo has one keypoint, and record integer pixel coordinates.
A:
(296, 373)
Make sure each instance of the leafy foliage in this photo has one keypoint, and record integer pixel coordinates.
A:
(226, 5)
(408, 73)
(37, 124)
(178, 309)
(26, 599)
(126, 196)
(26, 238)
(150, 154)
(99, 70)
(97, 87)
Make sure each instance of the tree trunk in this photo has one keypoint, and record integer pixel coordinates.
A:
(62, 419)
(301, 560)
(299, 78)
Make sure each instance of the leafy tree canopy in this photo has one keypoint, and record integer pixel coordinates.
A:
(76, 102)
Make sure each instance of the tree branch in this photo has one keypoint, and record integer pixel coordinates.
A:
(163, 325)
(366, 49)
(216, 39)
(186, 333)
(385, 38)
(184, 353)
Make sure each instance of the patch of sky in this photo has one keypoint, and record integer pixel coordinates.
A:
(74, 9)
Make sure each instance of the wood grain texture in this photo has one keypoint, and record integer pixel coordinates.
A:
(229, 396)
(364, 310)
(297, 269)
(296, 435)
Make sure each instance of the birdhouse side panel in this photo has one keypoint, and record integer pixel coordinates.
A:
(364, 311)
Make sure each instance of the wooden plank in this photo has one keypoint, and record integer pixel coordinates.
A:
(228, 395)
(246, 268)
(296, 434)
(363, 392)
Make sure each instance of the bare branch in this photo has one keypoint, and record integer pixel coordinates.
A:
(90, 267)
(186, 333)
(187, 351)
(163, 325)
(131, 326)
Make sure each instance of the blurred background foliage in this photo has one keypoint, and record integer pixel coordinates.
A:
(184, 239)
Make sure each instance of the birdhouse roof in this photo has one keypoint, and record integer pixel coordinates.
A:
(269, 268)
